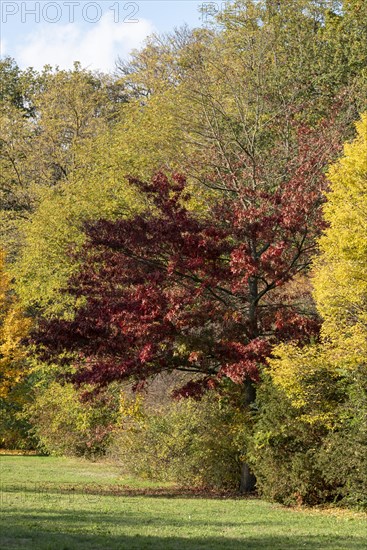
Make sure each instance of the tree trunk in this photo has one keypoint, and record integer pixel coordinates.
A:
(248, 480)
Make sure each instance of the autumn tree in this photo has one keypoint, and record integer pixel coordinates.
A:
(171, 290)
(340, 278)
(14, 327)
(14, 367)
(234, 259)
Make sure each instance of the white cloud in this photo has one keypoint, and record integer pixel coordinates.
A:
(96, 46)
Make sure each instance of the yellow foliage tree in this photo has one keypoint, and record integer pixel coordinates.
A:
(13, 328)
(341, 270)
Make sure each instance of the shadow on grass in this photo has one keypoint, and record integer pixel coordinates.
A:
(84, 489)
(64, 541)
(6, 452)
(78, 518)
(84, 530)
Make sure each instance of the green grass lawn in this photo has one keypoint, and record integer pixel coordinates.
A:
(67, 504)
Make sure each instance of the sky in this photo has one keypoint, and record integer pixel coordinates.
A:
(95, 33)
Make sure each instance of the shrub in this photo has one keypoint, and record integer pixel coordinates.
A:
(14, 427)
(189, 442)
(343, 456)
(283, 451)
(302, 456)
(64, 425)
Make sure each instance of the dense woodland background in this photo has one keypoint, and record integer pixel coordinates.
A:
(184, 255)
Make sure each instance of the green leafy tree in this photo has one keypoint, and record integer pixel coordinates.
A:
(17, 86)
(16, 198)
(46, 136)
(72, 109)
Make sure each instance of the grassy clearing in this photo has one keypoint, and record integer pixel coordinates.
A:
(67, 504)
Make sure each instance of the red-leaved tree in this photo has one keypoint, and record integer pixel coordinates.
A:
(209, 295)
(171, 290)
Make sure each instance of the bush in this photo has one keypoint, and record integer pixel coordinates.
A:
(66, 426)
(283, 451)
(304, 458)
(14, 426)
(343, 456)
(189, 442)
